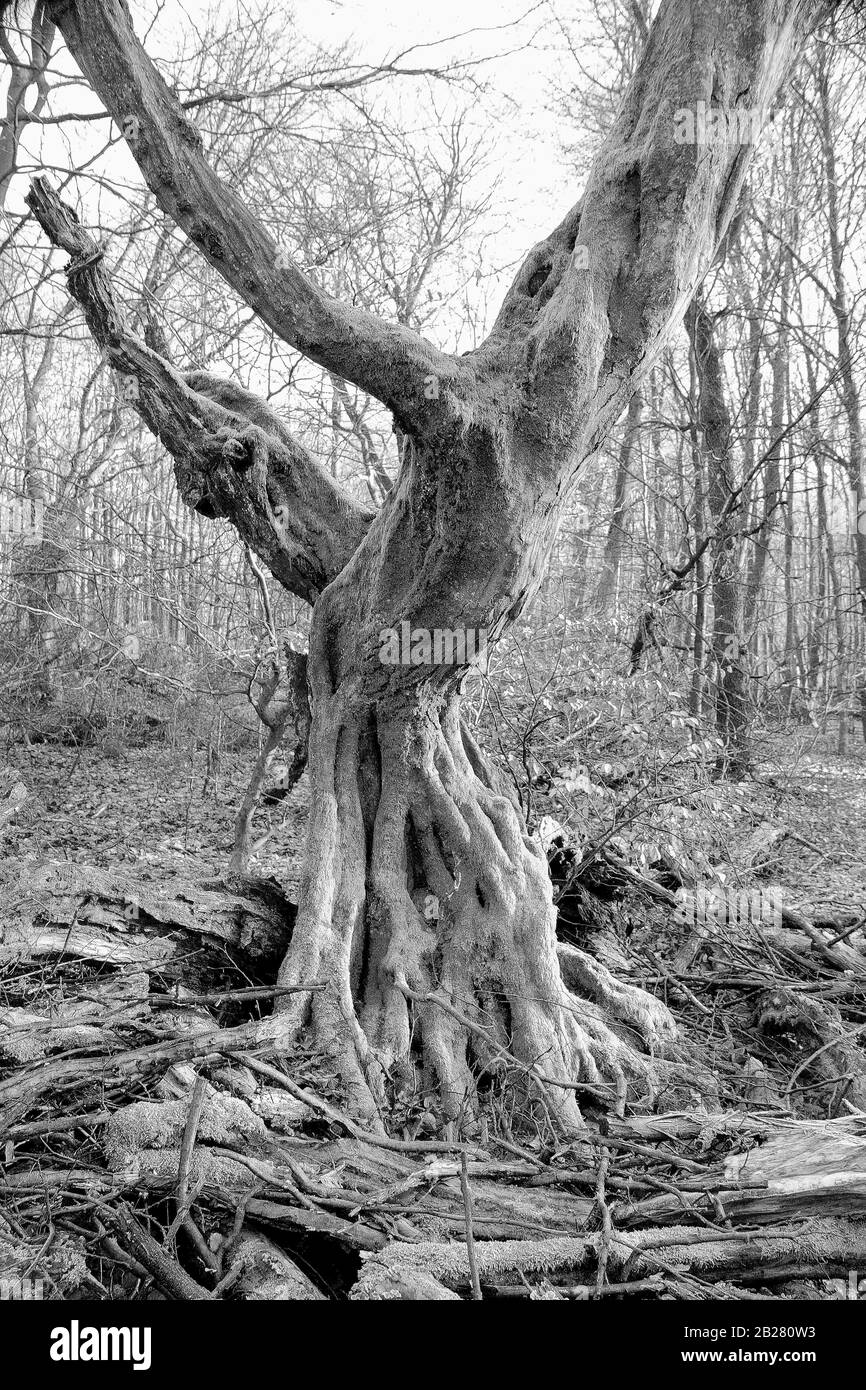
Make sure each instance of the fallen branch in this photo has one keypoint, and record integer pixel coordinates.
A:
(167, 1272)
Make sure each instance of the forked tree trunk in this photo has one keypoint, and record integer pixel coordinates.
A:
(424, 902)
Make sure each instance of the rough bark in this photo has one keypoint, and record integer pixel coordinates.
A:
(233, 455)
(409, 1271)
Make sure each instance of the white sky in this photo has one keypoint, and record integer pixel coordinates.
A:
(517, 42)
(490, 28)
(515, 39)
(520, 135)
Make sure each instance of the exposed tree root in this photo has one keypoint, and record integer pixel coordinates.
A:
(428, 907)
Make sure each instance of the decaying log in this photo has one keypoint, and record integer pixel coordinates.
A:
(800, 1149)
(683, 1125)
(237, 1153)
(115, 916)
(76, 1022)
(37, 1079)
(157, 1127)
(354, 1235)
(804, 1168)
(265, 1272)
(714, 1255)
(402, 1284)
(29, 941)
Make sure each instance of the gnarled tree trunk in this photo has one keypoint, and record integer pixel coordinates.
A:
(424, 902)
(424, 897)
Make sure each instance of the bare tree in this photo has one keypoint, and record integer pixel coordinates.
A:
(424, 902)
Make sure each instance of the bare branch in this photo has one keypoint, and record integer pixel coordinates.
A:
(595, 302)
(390, 361)
(233, 456)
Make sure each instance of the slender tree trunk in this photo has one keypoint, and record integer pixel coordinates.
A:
(772, 475)
(794, 674)
(699, 525)
(23, 73)
(842, 313)
(728, 645)
(622, 489)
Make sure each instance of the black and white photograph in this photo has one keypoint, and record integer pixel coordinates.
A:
(432, 674)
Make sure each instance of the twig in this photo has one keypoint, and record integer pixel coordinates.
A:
(337, 1117)
(470, 1234)
(166, 1271)
(606, 1222)
(849, 931)
(678, 986)
(57, 1126)
(184, 1200)
(193, 1118)
(227, 996)
(834, 1042)
(660, 1155)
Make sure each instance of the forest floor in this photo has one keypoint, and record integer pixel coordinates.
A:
(157, 807)
(774, 1022)
(153, 807)
(819, 798)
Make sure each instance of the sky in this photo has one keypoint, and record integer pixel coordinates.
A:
(517, 44)
(515, 40)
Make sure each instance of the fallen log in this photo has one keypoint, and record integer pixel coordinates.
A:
(714, 1255)
(118, 917)
(804, 1168)
(29, 1083)
(262, 1271)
